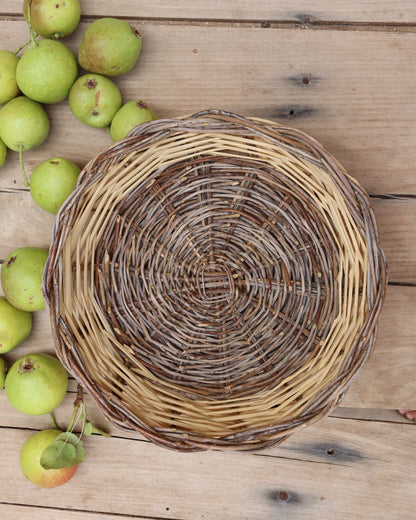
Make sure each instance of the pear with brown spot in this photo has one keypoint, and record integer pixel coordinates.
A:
(21, 278)
(110, 46)
(52, 18)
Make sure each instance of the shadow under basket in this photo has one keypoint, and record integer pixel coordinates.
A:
(215, 281)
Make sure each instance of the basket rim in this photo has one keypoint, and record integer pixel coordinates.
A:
(356, 205)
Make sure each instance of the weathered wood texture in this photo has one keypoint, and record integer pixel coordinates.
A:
(355, 103)
(335, 469)
(388, 378)
(369, 11)
(343, 71)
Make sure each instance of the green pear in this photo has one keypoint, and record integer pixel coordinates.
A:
(46, 71)
(15, 325)
(36, 384)
(30, 455)
(110, 47)
(94, 100)
(52, 181)
(3, 372)
(8, 83)
(130, 115)
(24, 124)
(3, 152)
(21, 278)
(52, 18)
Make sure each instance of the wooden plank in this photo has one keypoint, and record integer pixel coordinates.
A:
(368, 11)
(356, 104)
(388, 377)
(334, 469)
(396, 221)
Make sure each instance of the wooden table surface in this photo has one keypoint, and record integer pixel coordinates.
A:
(343, 71)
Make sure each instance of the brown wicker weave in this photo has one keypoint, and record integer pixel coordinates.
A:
(215, 281)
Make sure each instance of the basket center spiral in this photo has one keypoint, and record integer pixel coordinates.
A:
(215, 283)
(218, 272)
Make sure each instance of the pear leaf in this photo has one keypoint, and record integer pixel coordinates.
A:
(88, 427)
(58, 455)
(68, 437)
(65, 451)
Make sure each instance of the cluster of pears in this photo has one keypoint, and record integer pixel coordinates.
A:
(48, 72)
(36, 384)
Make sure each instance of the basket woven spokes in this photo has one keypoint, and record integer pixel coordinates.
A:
(215, 281)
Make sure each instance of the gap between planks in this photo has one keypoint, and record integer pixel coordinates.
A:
(304, 22)
(20, 511)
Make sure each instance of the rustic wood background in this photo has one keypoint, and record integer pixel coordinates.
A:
(343, 71)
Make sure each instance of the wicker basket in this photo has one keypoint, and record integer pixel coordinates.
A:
(215, 281)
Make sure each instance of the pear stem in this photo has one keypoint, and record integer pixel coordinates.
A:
(22, 166)
(22, 47)
(79, 409)
(29, 23)
(74, 418)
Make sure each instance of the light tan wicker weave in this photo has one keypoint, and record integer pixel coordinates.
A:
(215, 281)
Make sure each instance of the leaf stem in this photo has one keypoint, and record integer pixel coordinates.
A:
(74, 418)
(100, 432)
(22, 47)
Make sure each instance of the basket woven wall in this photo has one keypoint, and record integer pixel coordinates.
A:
(215, 281)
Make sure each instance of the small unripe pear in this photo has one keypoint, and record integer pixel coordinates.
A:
(52, 18)
(21, 278)
(94, 100)
(36, 384)
(52, 181)
(130, 115)
(24, 124)
(15, 325)
(110, 46)
(46, 71)
(30, 455)
(8, 83)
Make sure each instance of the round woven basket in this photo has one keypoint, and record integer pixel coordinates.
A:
(215, 281)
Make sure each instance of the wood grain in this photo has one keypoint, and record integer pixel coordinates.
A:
(388, 379)
(356, 104)
(334, 469)
(368, 11)
(343, 71)
(396, 220)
